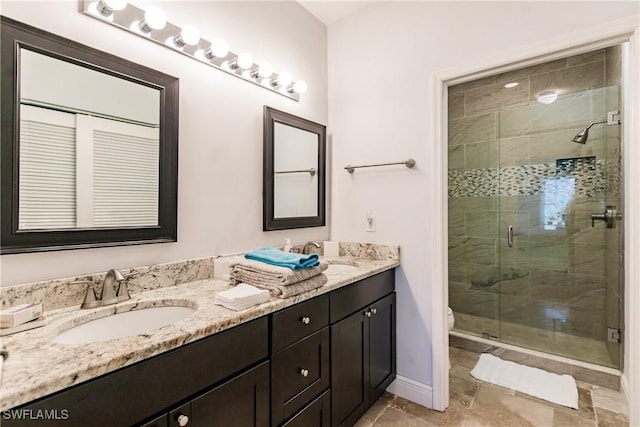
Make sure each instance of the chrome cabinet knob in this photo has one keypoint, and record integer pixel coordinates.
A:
(306, 320)
(182, 420)
(374, 311)
(367, 313)
(304, 372)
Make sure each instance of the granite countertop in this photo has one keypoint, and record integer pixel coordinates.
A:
(37, 366)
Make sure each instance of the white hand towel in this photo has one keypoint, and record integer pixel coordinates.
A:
(241, 297)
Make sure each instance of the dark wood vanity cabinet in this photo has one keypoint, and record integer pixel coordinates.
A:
(362, 346)
(319, 363)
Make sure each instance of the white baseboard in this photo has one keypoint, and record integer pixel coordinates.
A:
(624, 386)
(414, 391)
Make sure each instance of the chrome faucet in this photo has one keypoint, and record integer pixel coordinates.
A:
(305, 249)
(108, 295)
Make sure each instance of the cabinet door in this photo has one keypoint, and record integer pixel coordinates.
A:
(242, 401)
(349, 373)
(382, 346)
(315, 414)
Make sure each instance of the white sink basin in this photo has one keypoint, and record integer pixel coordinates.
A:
(340, 268)
(124, 324)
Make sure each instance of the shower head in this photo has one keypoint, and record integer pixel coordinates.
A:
(581, 137)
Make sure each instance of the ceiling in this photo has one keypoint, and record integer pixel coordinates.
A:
(333, 11)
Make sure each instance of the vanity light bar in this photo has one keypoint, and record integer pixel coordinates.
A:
(152, 25)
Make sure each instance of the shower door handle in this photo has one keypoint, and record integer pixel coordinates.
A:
(609, 217)
(510, 236)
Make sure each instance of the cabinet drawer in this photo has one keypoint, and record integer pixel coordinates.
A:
(315, 414)
(299, 373)
(296, 322)
(351, 298)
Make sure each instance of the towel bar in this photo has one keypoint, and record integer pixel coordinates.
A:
(310, 171)
(408, 163)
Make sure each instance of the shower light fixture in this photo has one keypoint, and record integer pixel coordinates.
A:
(512, 84)
(151, 23)
(547, 97)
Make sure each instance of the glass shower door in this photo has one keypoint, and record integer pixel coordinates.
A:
(558, 290)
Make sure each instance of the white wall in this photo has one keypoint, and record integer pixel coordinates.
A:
(220, 145)
(382, 62)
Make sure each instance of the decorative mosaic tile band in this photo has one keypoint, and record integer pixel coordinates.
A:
(586, 175)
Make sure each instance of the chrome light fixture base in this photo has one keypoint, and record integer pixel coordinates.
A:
(131, 16)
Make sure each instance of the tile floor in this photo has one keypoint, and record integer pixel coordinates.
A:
(475, 403)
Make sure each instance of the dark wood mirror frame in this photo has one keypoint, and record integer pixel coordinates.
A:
(15, 35)
(272, 116)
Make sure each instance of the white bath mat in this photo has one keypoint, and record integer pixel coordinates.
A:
(560, 389)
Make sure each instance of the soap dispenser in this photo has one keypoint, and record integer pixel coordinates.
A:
(287, 245)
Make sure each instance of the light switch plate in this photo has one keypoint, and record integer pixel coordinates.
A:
(370, 224)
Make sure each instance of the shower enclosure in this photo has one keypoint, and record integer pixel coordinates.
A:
(535, 201)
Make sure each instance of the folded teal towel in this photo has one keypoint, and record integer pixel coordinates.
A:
(290, 260)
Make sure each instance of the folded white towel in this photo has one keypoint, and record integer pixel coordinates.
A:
(241, 297)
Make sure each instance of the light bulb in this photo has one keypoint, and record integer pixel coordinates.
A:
(219, 48)
(189, 35)
(154, 19)
(300, 87)
(107, 7)
(245, 60)
(284, 79)
(265, 70)
(115, 4)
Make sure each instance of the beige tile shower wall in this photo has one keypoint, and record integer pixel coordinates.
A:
(550, 279)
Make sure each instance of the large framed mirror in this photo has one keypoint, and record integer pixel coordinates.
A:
(89, 146)
(294, 171)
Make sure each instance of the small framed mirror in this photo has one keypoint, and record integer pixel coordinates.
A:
(89, 146)
(294, 171)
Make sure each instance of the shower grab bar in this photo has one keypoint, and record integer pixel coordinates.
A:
(310, 171)
(408, 163)
(510, 236)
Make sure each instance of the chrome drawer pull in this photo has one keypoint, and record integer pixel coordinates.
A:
(306, 320)
(304, 372)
